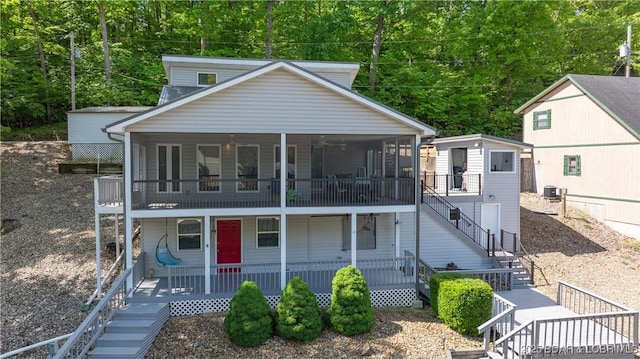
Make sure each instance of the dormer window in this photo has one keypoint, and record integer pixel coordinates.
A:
(206, 79)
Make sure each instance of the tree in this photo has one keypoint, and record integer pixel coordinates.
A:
(249, 322)
(298, 315)
(350, 312)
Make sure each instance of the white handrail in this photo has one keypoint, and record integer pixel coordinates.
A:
(93, 296)
(34, 346)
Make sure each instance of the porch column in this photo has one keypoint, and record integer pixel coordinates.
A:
(207, 255)
(284, 170)
(283, 250)
(354, 234)
(397, 228)
(98, 266)
(128, 221)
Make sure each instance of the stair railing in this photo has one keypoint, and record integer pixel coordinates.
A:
(522, 336)
(502, 321)
(83, 338)
(453, 215)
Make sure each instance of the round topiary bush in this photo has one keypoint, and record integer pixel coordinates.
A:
(350, 312)
(249, 322)
(464, 304)
(298, 315)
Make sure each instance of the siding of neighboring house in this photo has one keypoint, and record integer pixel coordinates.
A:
(187, 76)
(309, 238)
(608, 186)
(276, 101)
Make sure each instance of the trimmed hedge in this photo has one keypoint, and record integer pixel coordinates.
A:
(464, 304)
(298, 315)
(350, 312)
(249, 322)
(434, 287)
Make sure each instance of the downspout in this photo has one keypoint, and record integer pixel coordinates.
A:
(125, 230)
(418, 196)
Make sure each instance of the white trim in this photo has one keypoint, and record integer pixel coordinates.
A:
(169, 167)
(198, 84)
(513, 164)
(257, 168)
(258, 232)
(120, 127)
(178, 220)
(219, 166)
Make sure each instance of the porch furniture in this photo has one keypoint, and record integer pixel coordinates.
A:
(164, 256)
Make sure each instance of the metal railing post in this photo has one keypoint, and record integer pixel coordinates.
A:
(493, 245)
(479, 184)
(516, 248)
(533, 268)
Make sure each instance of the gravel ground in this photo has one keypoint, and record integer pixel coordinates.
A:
(47, 271)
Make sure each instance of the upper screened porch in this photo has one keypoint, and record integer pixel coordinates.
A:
(190, 171)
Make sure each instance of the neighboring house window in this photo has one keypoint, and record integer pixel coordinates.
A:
(247, 165)
(572, 165)
(208, 157)
(267, 232)
(502, 161)
(189, 233)
(542, 120)
(206, 79)
(169, 168)
(291, 164)
(365, 233)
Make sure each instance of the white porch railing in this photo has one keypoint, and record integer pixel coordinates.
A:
(502, 321)
(227, 278)
(109, 190)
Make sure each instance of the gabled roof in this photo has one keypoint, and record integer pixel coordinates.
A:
(480, 137)
(170, 93)
(119, 126)
(617, 96)
(111, 109)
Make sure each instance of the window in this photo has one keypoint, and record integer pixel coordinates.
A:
(542, 120)
(247, 165)
(267, 232)
(189, 234)
(365, 235)
(208, 157)
(291, 164)
(317, 161)
(572, 165)
(503, 161)
(205, 79)
(169, 168)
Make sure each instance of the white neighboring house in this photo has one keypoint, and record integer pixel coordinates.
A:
(88, 142)
(586, 135)
(202, 179)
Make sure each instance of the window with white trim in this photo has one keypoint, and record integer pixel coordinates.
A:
(169, 168)
(247, 166)
(572, 165)
(267, 232)
(209, 167)
(542, 120)
(502, 161)
(189, 234)
(207, 79)
(365, 233)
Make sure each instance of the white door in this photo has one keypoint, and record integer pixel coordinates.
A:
(491, 221)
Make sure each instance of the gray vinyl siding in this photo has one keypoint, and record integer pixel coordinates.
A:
(86, 127)
(188, 76)
(275, 102)
(506, 189)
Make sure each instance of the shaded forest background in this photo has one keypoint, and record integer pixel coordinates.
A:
(460, 66)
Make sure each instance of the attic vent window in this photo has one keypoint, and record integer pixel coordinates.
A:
(542, 120)
(206, 79)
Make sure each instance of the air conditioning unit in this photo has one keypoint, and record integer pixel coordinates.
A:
(550, 192)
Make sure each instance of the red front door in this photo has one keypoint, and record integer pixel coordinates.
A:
(228, 243)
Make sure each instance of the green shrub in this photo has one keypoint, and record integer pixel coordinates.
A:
(350, 312)
(464, 304)
(298, 315)
(249, 322)
(434, 286)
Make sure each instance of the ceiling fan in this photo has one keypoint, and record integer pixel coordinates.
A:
(323, 142)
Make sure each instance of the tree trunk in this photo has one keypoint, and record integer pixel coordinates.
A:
(204, 24)
(375, 53)
(43, 63)
(269, 35)
(105, 45)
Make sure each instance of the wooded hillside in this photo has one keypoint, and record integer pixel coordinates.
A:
(460, 66)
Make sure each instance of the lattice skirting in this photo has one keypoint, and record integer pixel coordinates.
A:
(97, 152)
(379, 298)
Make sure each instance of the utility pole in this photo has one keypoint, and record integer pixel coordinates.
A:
(73, 72)
(627, 70)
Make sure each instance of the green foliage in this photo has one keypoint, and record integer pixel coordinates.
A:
(464, 304)
(435, 281)
(350, 312)
(298, 316)
(54, 132)
(249, 322)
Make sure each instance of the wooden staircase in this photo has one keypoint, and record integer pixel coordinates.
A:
(521, 277)
(132, 331)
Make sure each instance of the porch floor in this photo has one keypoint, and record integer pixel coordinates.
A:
(224, 285)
